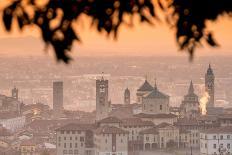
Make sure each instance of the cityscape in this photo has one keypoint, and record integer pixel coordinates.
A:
(116, 106)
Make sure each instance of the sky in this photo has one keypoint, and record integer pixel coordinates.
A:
(140, 40)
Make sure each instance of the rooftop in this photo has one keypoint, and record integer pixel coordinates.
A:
(110, 130)
(110, 120)
(145, 87)
(219, 130)
(143, 115)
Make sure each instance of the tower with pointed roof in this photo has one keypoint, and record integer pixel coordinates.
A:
(209, 86)
(102, 103)
(127, 96)
(190, 105)
(143, 90)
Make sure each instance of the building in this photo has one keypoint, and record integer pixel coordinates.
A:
(161, 136)
(9, 105)
(58, 98)
(216, 141)
(12, 121)
(145, 89)
(127, 96)
(190, 105)
(110, 140)
(209, 86)
(75, 139)
(102, 103)
(15, 93)
(155, 102)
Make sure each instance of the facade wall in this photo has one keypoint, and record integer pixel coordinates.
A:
(69, 142)
(155, 106)
(210, 144)
(13, 124)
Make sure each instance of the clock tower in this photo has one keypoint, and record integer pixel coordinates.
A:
(102, 103)
(209, 86)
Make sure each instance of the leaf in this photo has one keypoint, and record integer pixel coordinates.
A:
(210, 40)
(7, 18)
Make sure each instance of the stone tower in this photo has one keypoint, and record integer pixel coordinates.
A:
(102, 103)
(127, 96)
(209, 86)
(15, 93)
(58, 98)
(190, 105)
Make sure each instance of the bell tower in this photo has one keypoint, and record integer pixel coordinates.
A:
(15, 93)
(209, 86)
(102, 103)
(127, 96)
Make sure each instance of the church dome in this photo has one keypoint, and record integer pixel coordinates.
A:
(146, 87)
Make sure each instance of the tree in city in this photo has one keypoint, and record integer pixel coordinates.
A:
(56, 19)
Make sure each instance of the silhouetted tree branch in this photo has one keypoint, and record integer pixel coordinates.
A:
(187, 16)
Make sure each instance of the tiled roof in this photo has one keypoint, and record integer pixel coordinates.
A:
(145, 87)
(29, 142)
(227, 129)
(225, 116)
(136, 122)
(185, 121)
(76, 127)
(110, 120)
(143, 115)
(156, 94)
(152, 130)
(163, 125)
(4, 132)
(110, 130)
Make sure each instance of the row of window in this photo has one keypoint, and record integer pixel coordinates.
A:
(215, 137)
(70, 132)
(82, 139)
(75, 152)
(215, 145)
(71, 145)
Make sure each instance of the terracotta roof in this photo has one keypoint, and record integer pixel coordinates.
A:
(156, 94)
(145, 87)
(5, 132)
(143, 115)
(110, 130)
(76, 127)
(185, 121)
(29, 142)
(110, 120)
(136, 122)
(163, 125)
(227, 129)
(152, 130)
(225, 116)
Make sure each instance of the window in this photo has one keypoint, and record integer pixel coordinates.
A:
(214, 137)
(75, 138)
(64, 145)
(228, 136)
(75, 145)
(59, 138)
(65, 151)
(214, 146)
(68, 132)
(70, 138)
(161, 107)
(62, 132)
(147, 138)
(70, 145)
(228, 146)
(82, 139)
(106, 141)
(121, 140)
(205, 145)
(64, 138)
(70, 151)
(73, 132)
(221, 137)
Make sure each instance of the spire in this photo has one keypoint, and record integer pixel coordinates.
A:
(155, 87)
(102, 78)
(191, 89)
(210, 70)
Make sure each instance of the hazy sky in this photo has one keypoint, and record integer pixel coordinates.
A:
(142, 39)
